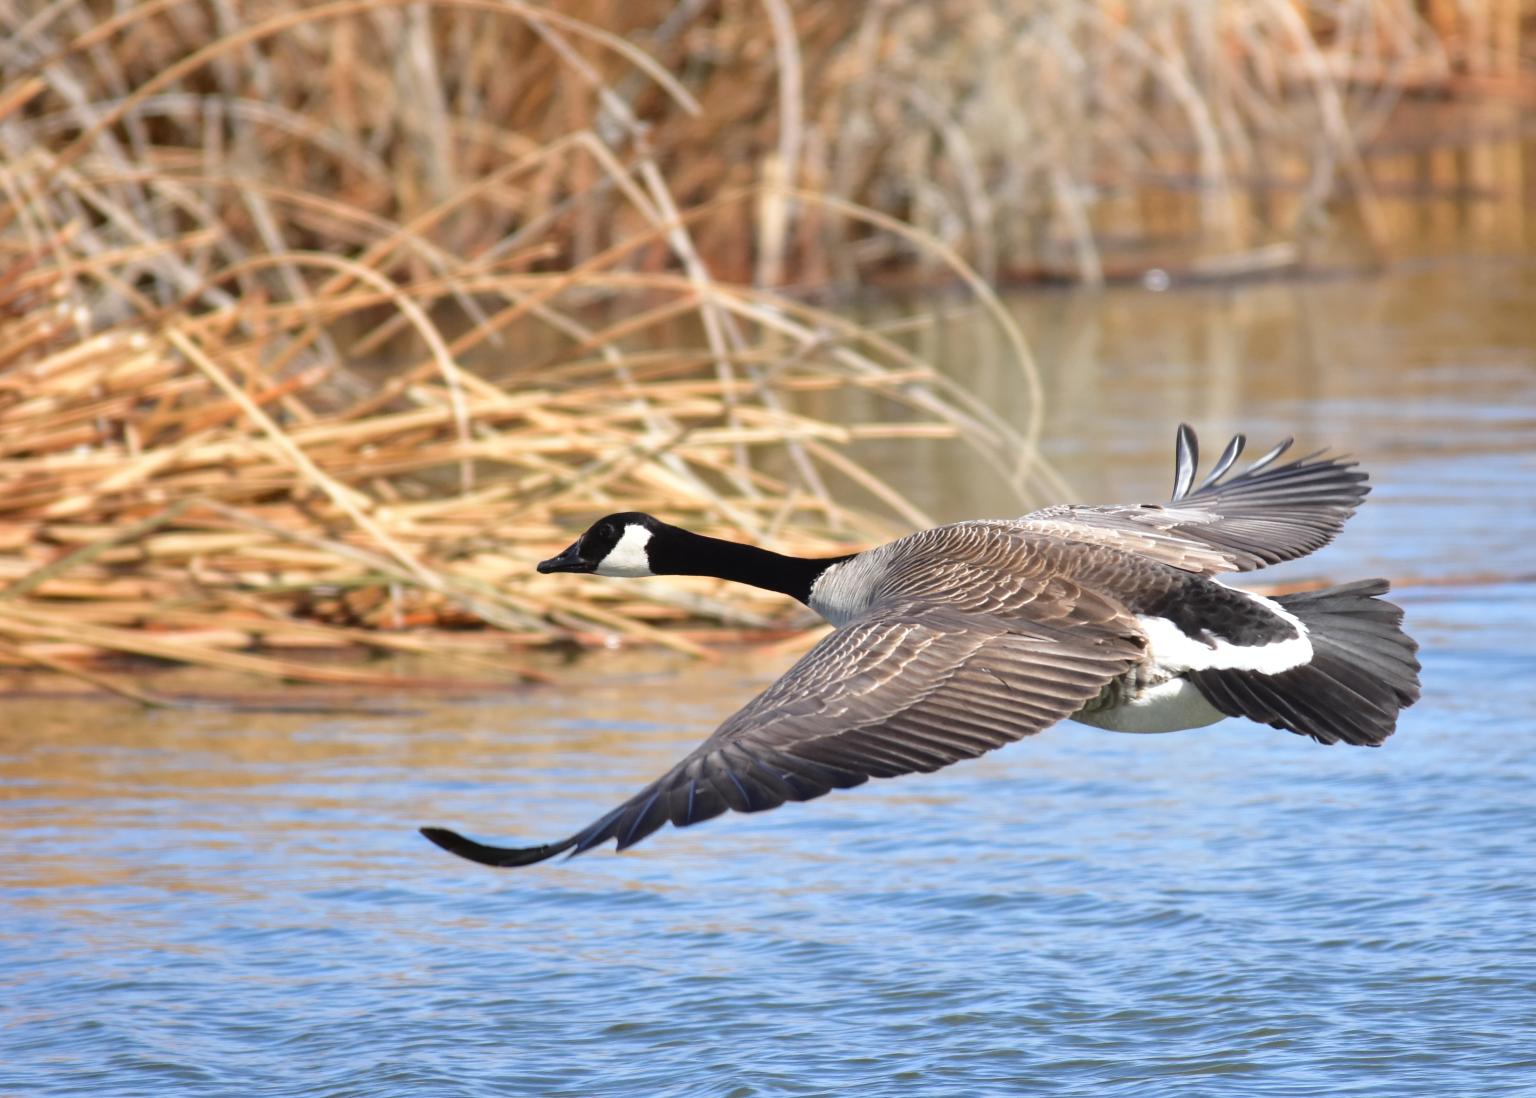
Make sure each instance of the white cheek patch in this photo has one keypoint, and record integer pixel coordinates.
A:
(1171, 650)
(628, 557)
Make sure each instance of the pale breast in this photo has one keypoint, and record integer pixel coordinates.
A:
(1171, 706)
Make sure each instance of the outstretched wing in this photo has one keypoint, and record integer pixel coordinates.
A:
(906, 688)
(1264, 515)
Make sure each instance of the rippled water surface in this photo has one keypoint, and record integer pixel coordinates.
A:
(217, 904)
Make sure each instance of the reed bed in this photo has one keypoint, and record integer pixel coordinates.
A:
(261, 395)
(321, 323)
(188, 487)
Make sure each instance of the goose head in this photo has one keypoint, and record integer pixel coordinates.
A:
(619, 545)
(634, 544)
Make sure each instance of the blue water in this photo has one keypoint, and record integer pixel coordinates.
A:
(216, 904)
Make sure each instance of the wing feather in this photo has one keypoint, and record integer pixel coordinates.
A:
(1266, 514)
(905, 689)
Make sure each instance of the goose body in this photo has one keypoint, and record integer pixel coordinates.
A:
(958, 639)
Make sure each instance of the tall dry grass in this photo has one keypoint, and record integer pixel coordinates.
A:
(1028, 136)
(307, 341)
(319, 323)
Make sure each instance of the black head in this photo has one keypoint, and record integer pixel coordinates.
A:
(618, 545)
(634, 544)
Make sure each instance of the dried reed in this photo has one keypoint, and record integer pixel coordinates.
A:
(277, 377)
(320, 323)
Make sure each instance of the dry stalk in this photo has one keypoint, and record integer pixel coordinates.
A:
(322, 328)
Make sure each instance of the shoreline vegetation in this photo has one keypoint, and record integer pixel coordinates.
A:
(321, 323)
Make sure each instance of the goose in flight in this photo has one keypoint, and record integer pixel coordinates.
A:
(956, 640)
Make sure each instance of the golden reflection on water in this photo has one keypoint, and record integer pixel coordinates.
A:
(86, 766)
(1383, 367)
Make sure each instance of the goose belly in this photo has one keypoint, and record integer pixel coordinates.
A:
(1169, 706)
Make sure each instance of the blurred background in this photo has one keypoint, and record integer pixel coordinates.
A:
(321, 323)
(344, 314)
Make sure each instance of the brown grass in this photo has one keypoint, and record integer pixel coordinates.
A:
(320, 323)
(165, 491)
(264, 389)
(1029, 137)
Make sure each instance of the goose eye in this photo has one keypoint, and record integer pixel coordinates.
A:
(605, 531)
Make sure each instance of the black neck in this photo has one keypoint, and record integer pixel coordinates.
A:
(685, 553)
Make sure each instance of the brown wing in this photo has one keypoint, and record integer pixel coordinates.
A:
(906, 688)
(1264, 515)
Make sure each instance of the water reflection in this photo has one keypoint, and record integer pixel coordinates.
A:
(1437, 359)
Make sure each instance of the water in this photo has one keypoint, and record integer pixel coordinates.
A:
(215, 904)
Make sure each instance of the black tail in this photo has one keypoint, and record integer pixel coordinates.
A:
(1362, 670)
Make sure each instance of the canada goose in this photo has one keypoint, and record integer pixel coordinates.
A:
(959, 639)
